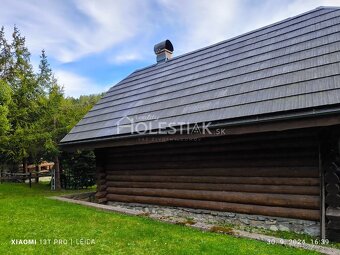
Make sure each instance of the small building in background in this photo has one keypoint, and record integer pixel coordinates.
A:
(42, 167)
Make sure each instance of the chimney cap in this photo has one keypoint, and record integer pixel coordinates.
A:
(165, 45)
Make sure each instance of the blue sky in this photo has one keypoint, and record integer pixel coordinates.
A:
(91, 45)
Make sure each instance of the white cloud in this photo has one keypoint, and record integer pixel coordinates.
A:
(69, 30)
(114, 22)
(125, 30)
(202, 22)
(125, 57)
(76, 85)
(272, 11)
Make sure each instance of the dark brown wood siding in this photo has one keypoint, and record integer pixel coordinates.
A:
(274, 174)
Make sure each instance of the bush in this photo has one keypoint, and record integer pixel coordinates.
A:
(77, 169)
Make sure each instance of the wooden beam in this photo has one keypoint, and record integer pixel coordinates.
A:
(215, 179)
(225, 143)
(270, 154)
(233, 171)
(221, 163)
(271, 189)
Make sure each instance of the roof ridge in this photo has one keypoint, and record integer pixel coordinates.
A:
(327, 7)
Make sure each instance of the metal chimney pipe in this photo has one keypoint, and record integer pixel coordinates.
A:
(163, 51)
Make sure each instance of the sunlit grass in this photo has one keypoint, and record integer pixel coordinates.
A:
(28, 214)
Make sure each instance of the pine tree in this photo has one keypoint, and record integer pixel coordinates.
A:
(50, 117)
(6, 60)
(5, 99)
(24, 107)
(34, 114)
(46, 78)
(5, 90)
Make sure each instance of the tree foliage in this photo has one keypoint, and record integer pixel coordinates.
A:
(5, 101)
(34, 112)
(79, 168)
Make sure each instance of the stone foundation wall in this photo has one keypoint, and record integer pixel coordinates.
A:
(179, 214)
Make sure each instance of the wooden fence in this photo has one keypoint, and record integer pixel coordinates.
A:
(21, 177)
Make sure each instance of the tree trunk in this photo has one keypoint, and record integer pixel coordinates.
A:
(57, 173)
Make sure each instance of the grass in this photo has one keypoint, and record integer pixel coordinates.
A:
(27, 214)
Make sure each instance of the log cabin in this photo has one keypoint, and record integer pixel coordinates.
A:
(249, 125)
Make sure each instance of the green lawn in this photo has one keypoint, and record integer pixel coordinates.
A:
(27, 214)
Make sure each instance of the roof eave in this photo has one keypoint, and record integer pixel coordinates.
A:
(312, 114)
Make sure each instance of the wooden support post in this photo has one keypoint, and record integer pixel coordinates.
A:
(30, 179)
(322, 198)
(57, 173)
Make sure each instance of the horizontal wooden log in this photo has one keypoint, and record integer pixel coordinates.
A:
(236, 171)
(279, 162)
(299, 145)
(292, 201)
(274, 138)
(333, 189)
(268, 155)
(215, 179)
(215, 152)
(333, 200)
(306, 214)
(332, 178)
(276, 189)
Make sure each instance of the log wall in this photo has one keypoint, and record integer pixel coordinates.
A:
(274, 174)
(101, 193)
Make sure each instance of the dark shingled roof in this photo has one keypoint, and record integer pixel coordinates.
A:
(289, 66)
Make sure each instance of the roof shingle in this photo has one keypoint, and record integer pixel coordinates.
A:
(290, 65)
